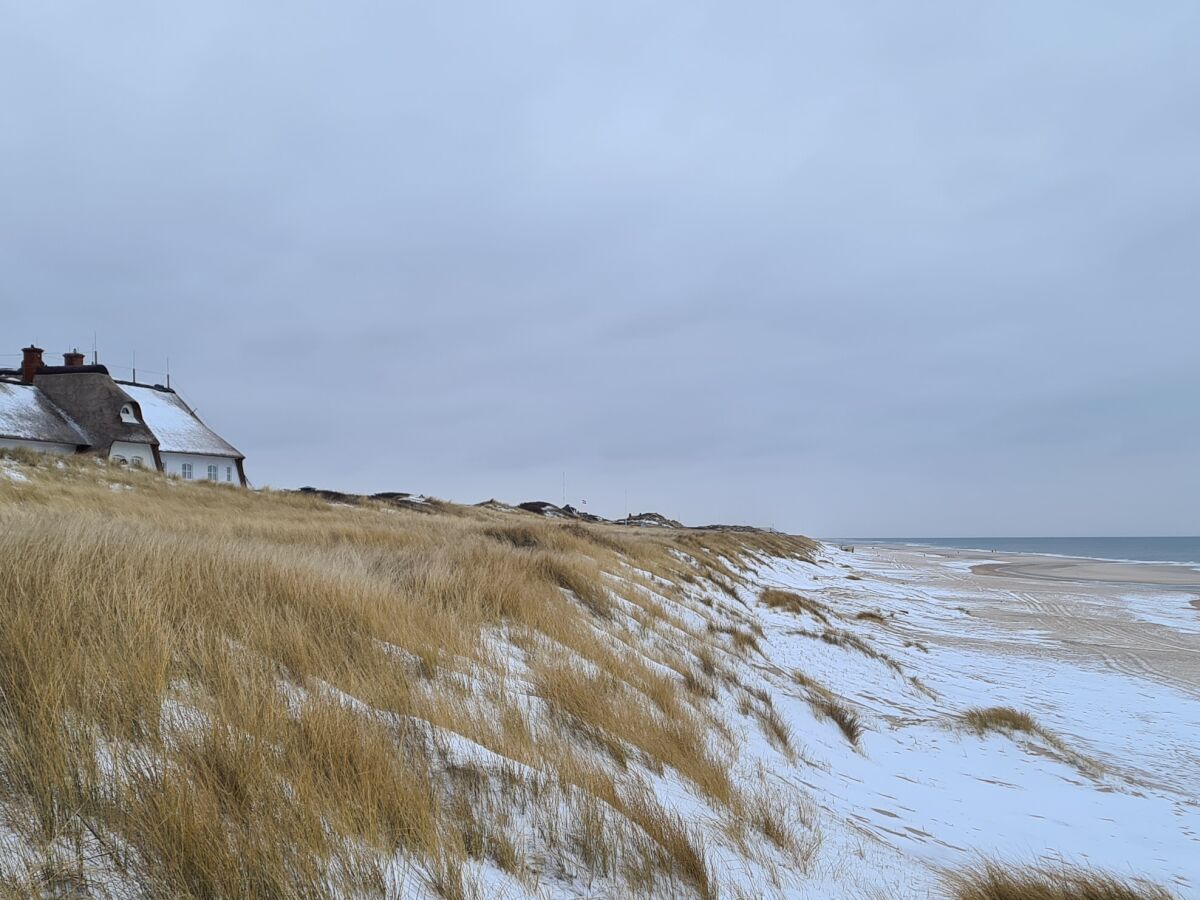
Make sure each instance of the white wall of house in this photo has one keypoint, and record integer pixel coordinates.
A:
(38, 446)
(227, 472)
(132, 453)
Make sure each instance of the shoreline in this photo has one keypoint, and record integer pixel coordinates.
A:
(1083, 571)
(1134, 618)
(991, 553)
(1101, 654)
(1066, 570)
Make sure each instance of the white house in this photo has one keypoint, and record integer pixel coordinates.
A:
(77, 408)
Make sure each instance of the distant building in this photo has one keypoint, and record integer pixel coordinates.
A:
(78, 408)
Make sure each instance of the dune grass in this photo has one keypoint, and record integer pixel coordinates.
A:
(869, 615)
(997, 881)
(825, 704)
(1006, 720)
(839, 637)
(841, 715)
(999, 718)
(207, 691)
(790, 601)
(742, 639)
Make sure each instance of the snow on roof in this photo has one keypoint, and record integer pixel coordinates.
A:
(175, 425)
(28, 414)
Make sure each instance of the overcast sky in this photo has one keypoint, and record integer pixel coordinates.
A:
(842, 268)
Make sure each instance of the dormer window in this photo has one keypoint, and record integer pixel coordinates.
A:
(128, 416)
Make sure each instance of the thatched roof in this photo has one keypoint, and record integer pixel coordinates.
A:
(28, 414)
(94, 401)
(179, 430)
(82, 405)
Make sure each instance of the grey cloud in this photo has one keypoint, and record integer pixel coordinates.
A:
(841, 269)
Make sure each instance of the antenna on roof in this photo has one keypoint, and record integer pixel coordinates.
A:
(168, 373)
(135, 367)
(95, 360)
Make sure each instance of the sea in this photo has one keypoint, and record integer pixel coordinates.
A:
(1137, 549)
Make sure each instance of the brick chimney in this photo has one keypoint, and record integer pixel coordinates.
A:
(31, 363)
(74, 358)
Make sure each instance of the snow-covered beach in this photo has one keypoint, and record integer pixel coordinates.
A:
(1109, 662)
(739, 713)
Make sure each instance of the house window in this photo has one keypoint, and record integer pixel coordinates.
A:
(186, 471)
(118, 459)
(229, 473)
(128, 416)
(212, 473)
(136, 462)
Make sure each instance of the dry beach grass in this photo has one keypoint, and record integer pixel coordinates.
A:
(1006, 720)
(996, 881)
(210, 692)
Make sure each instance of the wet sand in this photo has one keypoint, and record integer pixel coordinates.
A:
(1134, 618)
(1092, 571)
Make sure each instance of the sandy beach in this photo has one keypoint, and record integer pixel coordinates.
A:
(1092, 571)
(1106, 656)
(1129, 617)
